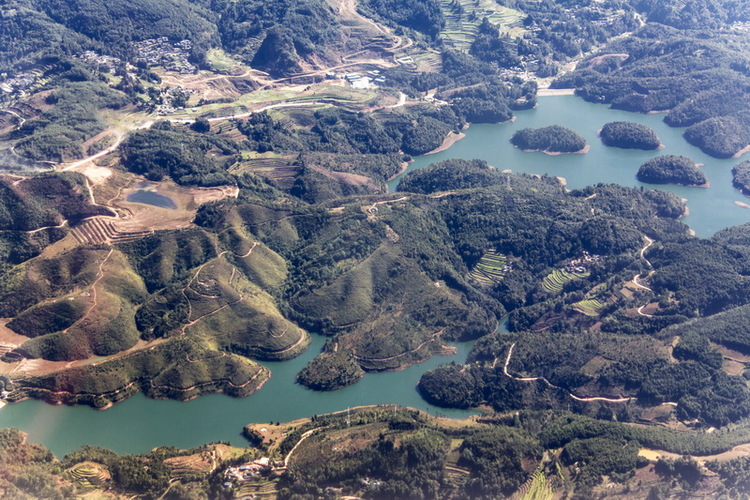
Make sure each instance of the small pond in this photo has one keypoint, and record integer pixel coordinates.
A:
(147, 195)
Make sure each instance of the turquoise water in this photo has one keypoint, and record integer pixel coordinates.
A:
(150, 197)
(140, 424)
(711, 209)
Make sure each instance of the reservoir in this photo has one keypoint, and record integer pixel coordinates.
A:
(140, 424)
(711, 209)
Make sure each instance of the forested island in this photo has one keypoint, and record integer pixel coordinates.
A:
(741, 177)
(671, 169)
(683, 62)
(552, 140)
(629, 135)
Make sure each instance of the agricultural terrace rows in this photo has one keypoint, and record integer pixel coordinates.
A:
(554, 282)
(536, 488)
(589, 307)
(490, 269)
(88, 475)
(280, 169)
(257, 489)
(463, 16)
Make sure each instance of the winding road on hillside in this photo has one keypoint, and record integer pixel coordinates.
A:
(304, 436)
(21, 119)
(550, 384)
(120, 136)
(249, 113)
(649, 242)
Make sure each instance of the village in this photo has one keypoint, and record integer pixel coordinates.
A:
(584, 263)
(248, 471)
(172, 56)
(18, 85)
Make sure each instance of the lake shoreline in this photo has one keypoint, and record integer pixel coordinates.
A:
(140, 423)
(449, 141)
(581, 151)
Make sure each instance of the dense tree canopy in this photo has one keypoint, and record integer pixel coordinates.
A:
(552, 139)
(671, 169)
(629, 135)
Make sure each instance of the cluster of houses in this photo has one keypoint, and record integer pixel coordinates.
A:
(250, 471)
(17, 85)
(359, 80)
(106, 64)
(173, 56)
(173, 99)
(583, 264)
(606, 16)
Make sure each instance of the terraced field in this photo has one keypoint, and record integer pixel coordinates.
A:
(554, 282)
(88, 475)
(490, 269)
(203, 462)
(256, 489)
(96, 230)
(590, 307)
(463, 16)
(428, 61)
(228, 130)
(538, 489)
(455, 475)
(279, 169)
(335, 98)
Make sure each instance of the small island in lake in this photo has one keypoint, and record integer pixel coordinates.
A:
(330, 371)
(629, 135)
(741, 177)
(552, 140)
(671, 169)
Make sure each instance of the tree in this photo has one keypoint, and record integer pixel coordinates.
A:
(201, 125)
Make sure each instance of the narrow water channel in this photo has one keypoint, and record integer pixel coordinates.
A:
(140, 424)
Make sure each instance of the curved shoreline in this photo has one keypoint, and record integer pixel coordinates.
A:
(449, 141)
(404, 166)
(581, 151)
(705, 185)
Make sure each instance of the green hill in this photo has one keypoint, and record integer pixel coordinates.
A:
(389, 278)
